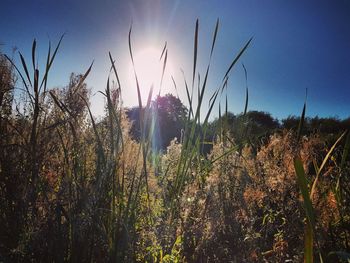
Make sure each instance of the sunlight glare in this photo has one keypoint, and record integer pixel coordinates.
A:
(149, 68)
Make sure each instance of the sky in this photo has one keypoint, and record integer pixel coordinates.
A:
(297, 45)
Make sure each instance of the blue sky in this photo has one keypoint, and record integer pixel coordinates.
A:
(296, 45)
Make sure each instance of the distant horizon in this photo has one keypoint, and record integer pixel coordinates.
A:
(272, 115)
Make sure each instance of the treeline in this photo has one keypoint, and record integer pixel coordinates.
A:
(170, 117)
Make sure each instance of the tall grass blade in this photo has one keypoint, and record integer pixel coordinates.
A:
(163, 70)
(24, 65)
(47, 66)
(214, 37)
(226, 117)
(44, 80)
(346, 150)
(114, 69)
(36, 82)
(82, 79)
(195, 52)
(220, 123)
(310, 222)
(189, 98)
(246, 95)
(302, 120)
(23, 80)
(175, 86)
(61, 105)
(164, 48)
(324, 163)
(94, 126)
(33, 53)
(237, 58)
(303, 185)
(309, 241)
(135, 75)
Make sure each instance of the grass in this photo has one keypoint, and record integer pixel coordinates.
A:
(74, 189)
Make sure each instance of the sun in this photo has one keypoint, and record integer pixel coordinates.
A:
(149, 68)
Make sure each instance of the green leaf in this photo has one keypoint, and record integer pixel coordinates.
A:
(195, 52)
(236, 58)
(309, 240)
(301, 122)
(345, 151)
(324, 163)
(302, 182)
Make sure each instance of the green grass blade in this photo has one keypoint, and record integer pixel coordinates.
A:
(195, 52)
(214, 37)
(246, 101)
(302, 182)
(309, 244)
(232, 149)
(302, 119)
(61, 105)
(225, 128)
(345, 151)
(114, 69)
(135, 75)
(24, 65)
(220, 123)
(237, 58)
(48, 67)
(82, 79)
(246, 95)
(33, 53)
(94, 126)
(163, 71)
(303, 185)
(190, 111)
(301, 122)
(324, 163)
(175, 86)
(164, 48)
(36, 82)
(22, 78)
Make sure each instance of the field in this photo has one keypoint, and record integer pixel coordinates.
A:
(74, 188)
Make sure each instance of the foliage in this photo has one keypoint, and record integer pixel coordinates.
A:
(77, 189)
(169, 115)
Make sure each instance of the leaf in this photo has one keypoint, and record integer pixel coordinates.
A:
(345, 151)
(33, 53)
(44, 80)
(301, 122)
(163, 70)
(164, 48)
(324, 163)
(214, 37)
(310, 222)
(236, 58)
(302, 182)
(247, 95)
(195, 52)
(137, 81)
(302, 119)
(82, 79)
(25, 67)
(114, 69)
(309, 240)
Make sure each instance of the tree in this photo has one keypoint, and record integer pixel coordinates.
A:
(171, 119)
(168, 114)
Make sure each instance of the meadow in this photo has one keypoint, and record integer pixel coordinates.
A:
(77, 189)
